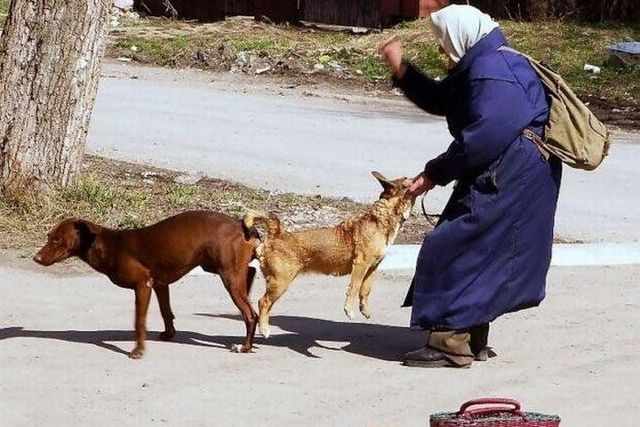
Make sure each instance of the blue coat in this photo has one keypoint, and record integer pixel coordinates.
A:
(491, 250)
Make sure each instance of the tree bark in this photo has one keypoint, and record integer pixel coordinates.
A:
(50, 56)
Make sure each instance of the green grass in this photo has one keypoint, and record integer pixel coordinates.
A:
(4, 9)
(567, 46)
(161, 52)
(102, 200)
(251, 44)
(371, 68)
(182, 194)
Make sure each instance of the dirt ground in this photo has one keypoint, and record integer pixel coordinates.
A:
(64, 335)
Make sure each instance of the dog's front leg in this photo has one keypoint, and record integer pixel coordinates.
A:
(143, 295)
(358, 273)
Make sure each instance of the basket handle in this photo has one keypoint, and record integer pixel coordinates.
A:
(500, 404)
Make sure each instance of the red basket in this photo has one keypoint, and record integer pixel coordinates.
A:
(493, 412)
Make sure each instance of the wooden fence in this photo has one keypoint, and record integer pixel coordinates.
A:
(361, 13)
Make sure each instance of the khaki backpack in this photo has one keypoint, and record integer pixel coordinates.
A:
(573, 133)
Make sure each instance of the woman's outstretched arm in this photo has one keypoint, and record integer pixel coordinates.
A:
(425, 92)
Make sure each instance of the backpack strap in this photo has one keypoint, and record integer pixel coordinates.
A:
(528, 133)
(537, 141)
(509, 49)
(506, 48)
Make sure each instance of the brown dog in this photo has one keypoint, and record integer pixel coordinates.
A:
(356, 246)
(156, 256)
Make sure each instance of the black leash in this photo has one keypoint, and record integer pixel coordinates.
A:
(431, 218)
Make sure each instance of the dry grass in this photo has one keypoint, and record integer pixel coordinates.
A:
(124, 195)
(288, 50)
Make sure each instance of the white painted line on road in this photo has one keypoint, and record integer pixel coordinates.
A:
(403, 257)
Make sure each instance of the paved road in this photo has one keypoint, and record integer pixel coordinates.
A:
(64, 338)
(319, 141)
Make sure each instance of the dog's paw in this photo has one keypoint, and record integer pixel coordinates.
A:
(167, 335)
(264, 331)
(237, 348)
(349, 312)
(137, 353)
(365, 312)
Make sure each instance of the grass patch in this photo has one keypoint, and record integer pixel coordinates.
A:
(165, 52)
(124, 195)
(4, 9)
(182, 194)
(257, 45)
(295, 51)
(567, 46)
(371, 68)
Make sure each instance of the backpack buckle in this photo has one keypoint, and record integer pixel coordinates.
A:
(537, 140)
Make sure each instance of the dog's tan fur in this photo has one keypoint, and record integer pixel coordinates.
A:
(356, 246)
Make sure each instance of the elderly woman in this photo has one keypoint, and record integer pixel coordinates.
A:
(490, 252)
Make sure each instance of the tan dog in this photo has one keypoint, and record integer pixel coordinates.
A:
(356, 246)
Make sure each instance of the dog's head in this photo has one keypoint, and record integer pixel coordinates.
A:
(396, 193)
(71, 237)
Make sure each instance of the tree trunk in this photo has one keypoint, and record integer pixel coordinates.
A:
(50, 55)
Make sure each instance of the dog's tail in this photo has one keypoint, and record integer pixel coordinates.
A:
(273, 225)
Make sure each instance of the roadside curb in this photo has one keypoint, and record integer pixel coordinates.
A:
(403, 257)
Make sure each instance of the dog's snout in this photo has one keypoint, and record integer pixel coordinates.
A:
(38, 258)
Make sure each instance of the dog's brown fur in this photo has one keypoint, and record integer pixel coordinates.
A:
(156, 256)
(356, 246)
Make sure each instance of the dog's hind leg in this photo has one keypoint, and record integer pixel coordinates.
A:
(358, 274)
(237, 284)
(251, 275)
(365, 290)
(143, 295)
(162, 293)
(275, 288)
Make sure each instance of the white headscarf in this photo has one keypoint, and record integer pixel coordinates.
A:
(459, 27)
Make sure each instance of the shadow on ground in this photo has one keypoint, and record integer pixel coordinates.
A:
(301, 334)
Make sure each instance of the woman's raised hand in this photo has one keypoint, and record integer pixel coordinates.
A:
(391, 51)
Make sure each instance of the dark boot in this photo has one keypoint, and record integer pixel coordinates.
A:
(478, 342)
(429, 358)
(484, 354)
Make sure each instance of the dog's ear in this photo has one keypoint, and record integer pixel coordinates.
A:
(86, 226)
(87, 231)
(386, 184)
